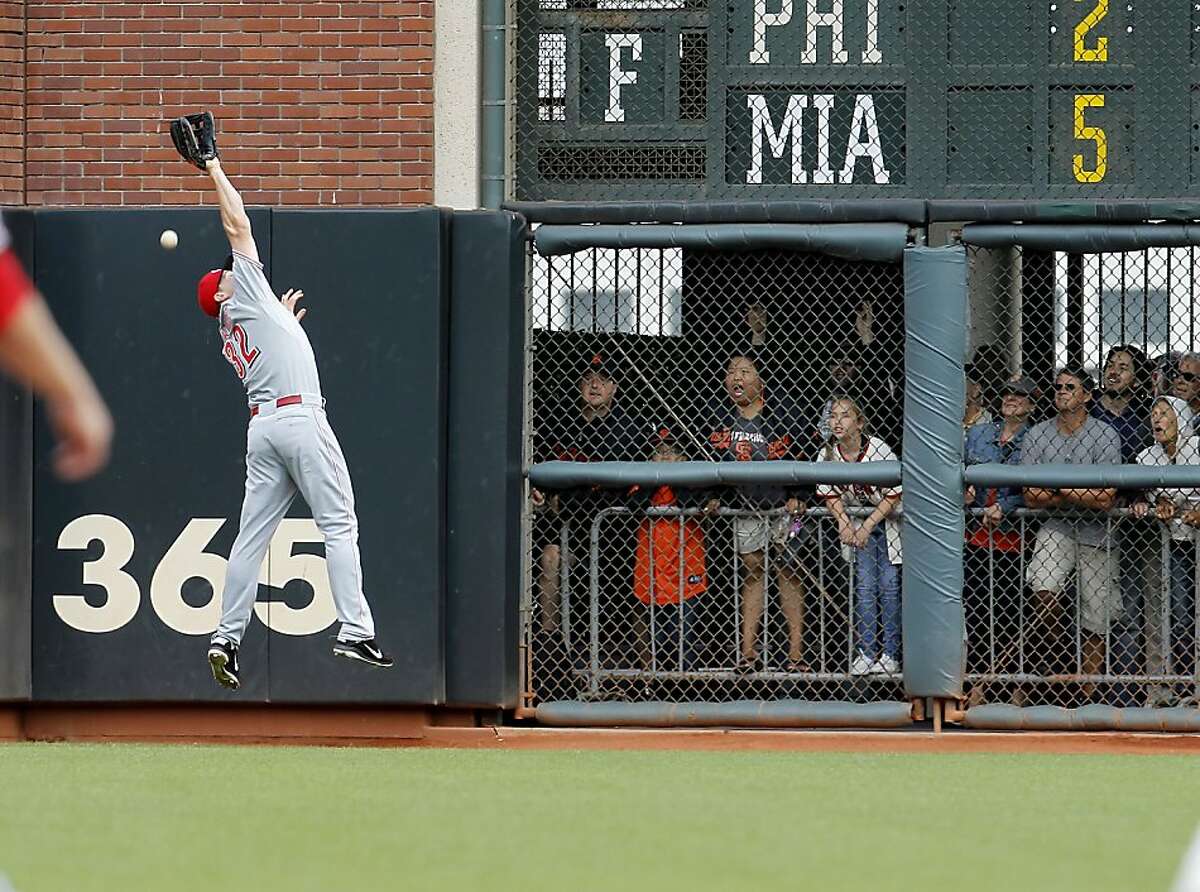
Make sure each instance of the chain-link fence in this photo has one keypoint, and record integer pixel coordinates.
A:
(1075, 596)
(854, 98)
(736, 592)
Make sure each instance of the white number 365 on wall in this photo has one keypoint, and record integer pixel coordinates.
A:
(184, 560)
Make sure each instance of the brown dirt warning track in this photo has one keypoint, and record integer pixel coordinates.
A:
(342, 726)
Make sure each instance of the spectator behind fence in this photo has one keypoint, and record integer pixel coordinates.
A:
(669, 568)
(1073, 437)
(881, 371)
(874, 539)
(842, 378)
(1122, 402)
(1162, 379)
(1186, 382)
(974, 412)
(1179, 510)
(756, 321)
(994, 542)
(596, 429)
(752, 429)
(990, 368)
(869, 369)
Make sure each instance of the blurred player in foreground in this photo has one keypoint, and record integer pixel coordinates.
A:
(35, 353)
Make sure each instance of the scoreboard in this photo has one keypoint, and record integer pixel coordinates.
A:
(856, 98)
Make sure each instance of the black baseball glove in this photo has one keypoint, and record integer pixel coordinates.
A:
(195, 138)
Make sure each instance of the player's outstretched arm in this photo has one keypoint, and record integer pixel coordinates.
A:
(34, 351)
(233, 212)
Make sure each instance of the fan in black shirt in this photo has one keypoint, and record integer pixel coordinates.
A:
(597, 430)
(750, 430)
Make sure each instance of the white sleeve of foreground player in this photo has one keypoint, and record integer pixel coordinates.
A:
(1188, 878)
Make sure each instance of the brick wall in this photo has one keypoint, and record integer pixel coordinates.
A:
(318, 103)
(12, 103)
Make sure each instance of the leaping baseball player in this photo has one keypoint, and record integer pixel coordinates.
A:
(290, 447)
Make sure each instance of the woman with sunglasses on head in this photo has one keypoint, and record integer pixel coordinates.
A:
(995, 549)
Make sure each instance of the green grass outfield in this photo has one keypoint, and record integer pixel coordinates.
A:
(125, 817)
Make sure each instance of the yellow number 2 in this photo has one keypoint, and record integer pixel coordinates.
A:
(1083, 102)
(1100, 52)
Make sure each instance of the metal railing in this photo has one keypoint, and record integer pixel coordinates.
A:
(1145, 658)
(618, 647)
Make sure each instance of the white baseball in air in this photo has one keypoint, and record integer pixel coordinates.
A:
(169, 239)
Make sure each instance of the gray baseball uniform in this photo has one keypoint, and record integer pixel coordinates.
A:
(290, 448)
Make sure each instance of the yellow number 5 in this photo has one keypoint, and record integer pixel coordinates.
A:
(1083, 102)
(1100, 53)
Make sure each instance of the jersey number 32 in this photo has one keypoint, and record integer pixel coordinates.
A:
(239, 354)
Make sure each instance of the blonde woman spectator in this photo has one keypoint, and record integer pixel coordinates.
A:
(875, 541)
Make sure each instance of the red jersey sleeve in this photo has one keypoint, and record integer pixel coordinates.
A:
(15, 287)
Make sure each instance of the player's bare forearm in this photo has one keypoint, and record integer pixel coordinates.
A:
(233, 212)
(33, 350)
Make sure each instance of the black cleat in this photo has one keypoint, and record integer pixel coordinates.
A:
(363, 651)
(223, 660)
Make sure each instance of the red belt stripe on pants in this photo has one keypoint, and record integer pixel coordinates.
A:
(280, 403)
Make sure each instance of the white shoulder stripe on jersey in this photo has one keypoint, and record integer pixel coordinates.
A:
(239, 254)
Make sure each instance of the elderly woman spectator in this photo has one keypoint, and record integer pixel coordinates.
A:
(1178, 511)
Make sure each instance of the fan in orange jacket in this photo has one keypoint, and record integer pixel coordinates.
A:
(661, 540)
(669, 567)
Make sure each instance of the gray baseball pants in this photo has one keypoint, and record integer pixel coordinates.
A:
(288, 451)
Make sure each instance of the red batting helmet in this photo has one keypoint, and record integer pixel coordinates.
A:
(206, 292)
